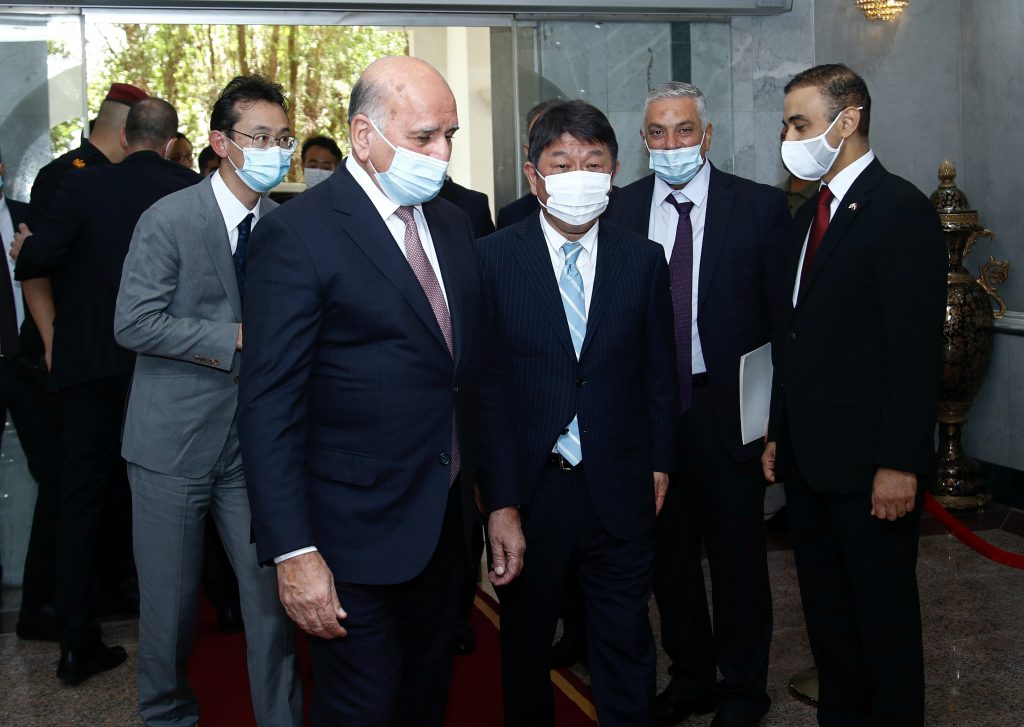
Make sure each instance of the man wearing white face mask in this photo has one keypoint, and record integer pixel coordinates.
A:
(723, 237)
(180, 308)
(583, 329)
(853, 407)
(365, 345)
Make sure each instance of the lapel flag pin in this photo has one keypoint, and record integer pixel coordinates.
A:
(852, 207)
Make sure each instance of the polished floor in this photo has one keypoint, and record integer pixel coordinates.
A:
(974, 645)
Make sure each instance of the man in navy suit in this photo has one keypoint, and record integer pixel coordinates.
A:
(858, 366)
(364, 344)
(723, 237)
(583, 329)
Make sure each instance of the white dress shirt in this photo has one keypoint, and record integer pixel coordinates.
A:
(839, 186)
(232, 209)
(586, 263)
(7, 234)
(386, 208)
(662, 229)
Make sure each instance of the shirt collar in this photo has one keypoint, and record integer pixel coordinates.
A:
(384, 205)
(231, 208)
(696, 190)
(555, 239)
(842, 182)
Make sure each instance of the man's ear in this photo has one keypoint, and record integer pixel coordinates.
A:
(615, 171)
(531, 176)
(708, 133)
(123, 138)
(359, 137)
(219, 143)
(850, 122)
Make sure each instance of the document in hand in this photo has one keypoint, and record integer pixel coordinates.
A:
(755, 392)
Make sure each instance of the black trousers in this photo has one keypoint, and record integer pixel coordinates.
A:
(23, 393)
(858, 584)
(394, 666)
(564, 537)
(93, 474)
(719, 502)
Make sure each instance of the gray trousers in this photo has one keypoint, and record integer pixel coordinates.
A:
(169, 516)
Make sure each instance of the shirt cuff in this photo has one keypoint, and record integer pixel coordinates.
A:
(292, 554)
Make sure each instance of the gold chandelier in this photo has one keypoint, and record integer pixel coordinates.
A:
(882, 9)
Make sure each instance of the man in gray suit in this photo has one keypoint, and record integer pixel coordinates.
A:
(180, 308)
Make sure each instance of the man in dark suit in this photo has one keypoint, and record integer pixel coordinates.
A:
(82, 244)
(471, 202)
(583, 328)
(724, 239)
(364, 343)
(25, 395)
(853, 407)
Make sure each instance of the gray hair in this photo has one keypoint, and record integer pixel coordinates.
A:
(369, 98)
(678, 89)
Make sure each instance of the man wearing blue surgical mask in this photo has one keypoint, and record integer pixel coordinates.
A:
(723, 237)
(365, 346)
(180, 308)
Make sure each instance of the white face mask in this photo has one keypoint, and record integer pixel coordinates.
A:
(811, 159)
(314, 176)
(576, 198)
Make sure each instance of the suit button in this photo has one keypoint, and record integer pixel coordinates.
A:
(445, 459)
(791, 335)
(199, 359)
(565, 431)
(455, 389)
(580, 381)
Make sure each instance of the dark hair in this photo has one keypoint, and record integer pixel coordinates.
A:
(150, 122)
(205, 156)
(536, 111)
(841, 87)
(244, 91)
(324, 142)
(181, 137)
(578, 119)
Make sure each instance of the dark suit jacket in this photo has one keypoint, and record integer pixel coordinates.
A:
(518, 210)
(741, 283)
(29, 341)
(859, 363)
(347, 387)
(471, 202)
(47, 181)
(82, 243)
(624, 386)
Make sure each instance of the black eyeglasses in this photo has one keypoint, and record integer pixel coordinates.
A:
(265, 141)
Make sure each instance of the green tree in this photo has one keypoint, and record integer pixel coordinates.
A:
(188, 65)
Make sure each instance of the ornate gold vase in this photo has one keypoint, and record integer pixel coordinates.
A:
(968, 342)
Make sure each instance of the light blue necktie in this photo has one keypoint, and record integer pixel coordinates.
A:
(570, 284)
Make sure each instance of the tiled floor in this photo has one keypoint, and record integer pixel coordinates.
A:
(974, 649)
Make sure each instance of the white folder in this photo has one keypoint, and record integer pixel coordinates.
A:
(755, 392)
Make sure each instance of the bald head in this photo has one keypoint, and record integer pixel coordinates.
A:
(394, 82)
(151, 124)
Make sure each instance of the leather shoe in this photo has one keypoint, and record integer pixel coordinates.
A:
(731, 719)
(465, 641)
(672, 710)
(38, 624)
(77, 665)
(571, 648)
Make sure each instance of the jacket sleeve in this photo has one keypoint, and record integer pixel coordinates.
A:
(661, 380)
(151, 275)
(51, 245)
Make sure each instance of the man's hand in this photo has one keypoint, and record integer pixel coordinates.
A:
(306, 587)
(20, 236)
(660, 488)
(768, 461)
(238, 341)
(892, 493)
(505, 533)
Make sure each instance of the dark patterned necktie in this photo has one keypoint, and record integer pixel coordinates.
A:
(680, 275)
(241, 250)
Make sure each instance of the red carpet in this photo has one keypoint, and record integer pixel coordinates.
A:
(219, 677)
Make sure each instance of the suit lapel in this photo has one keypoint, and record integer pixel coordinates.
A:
(532, 254)
(721, 197)
(218, 244)
(609, 261)
(375, 240)
(852, 204)
(638, 208)
(444, 237)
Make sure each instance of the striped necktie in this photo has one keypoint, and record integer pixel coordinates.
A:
(570, 284)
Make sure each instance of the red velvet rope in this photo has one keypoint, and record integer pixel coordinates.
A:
(969, 538)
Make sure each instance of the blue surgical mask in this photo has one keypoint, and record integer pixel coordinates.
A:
(676, 166)
(413, 178)
(262, 169)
